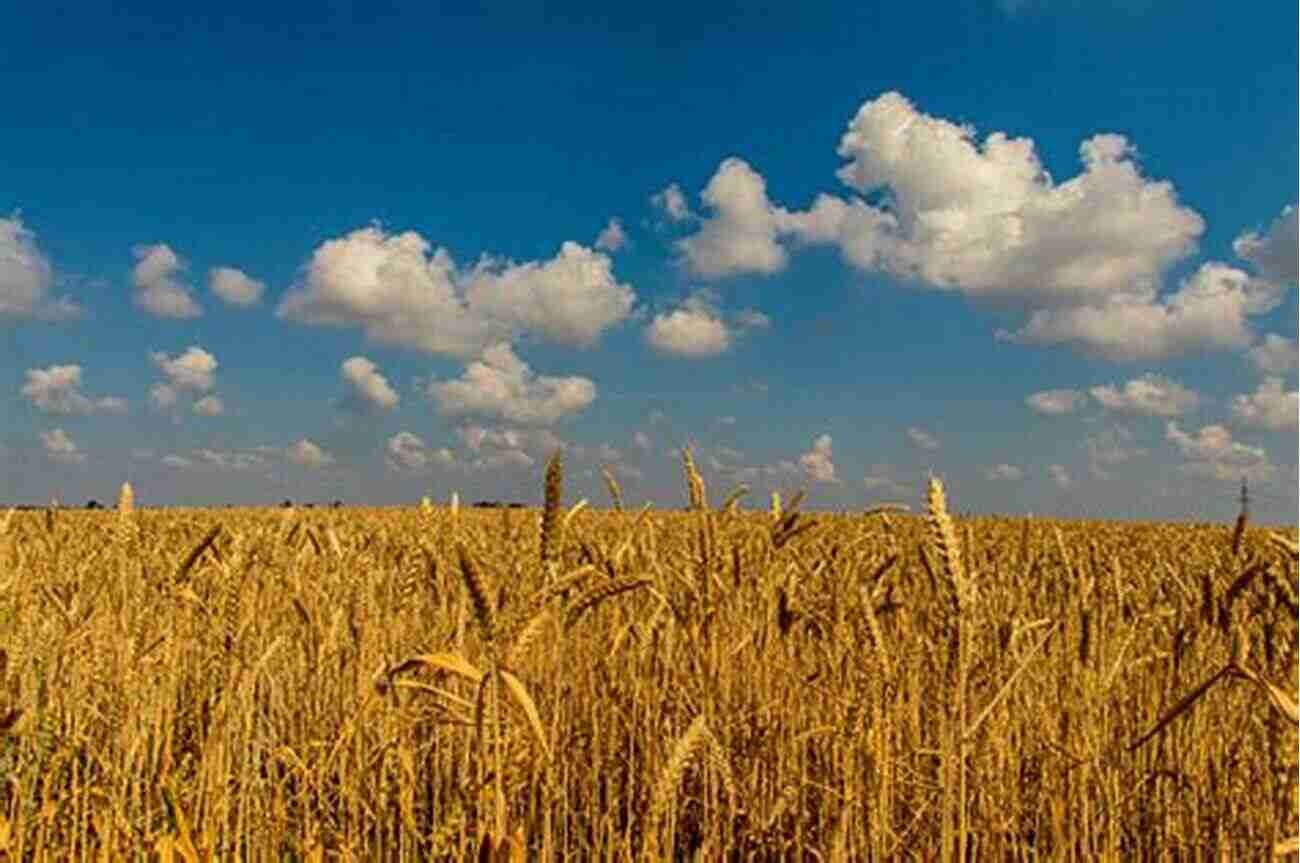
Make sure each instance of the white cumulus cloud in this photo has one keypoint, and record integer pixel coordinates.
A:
(194, 371)
(1211, 453)
(1055, 402)
(695, 329)
(400, 292)
(367, 389)
(1150, 395)
(61, 448)
(671, 201)
(817, 462)
(26, 277)
(308, 454)
(501, 385)
(159, 289)
(235, 288)
(57, 390)
(1269, 406)
(1274, 253)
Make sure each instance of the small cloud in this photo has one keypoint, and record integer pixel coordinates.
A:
(695, 330)
(57, 390)
(672, 203)
(1274, 254)
(641, 441)
(158, 287)
(1269, 407)
(501, 385)
(235, 288)
(368, 390)
(1055, 402)
(1060, 476)
(61, 448)
(1004, 473)
(209, 406)
(922, 439)
(1110, 447)
(1150, 395)
(194, 370)
(26, 277)
(1273, 354)
(752, 319)
(1211, 453)
(613, 238)
(308, 454)
(817, 461)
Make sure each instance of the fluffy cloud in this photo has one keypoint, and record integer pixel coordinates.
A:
(922, 439)
(1055, 402)
(508, 447)
(1150, 395)
(693, 330)
(1212, 454)
(191, 372)
(817, 463)
(1110, 447)
(1275, 253)
(1210, 310)
(210, 459)
(1273, 354)
(367, 388)
(613, 238)
(61, 448)
(57, 390)
(1004, 473)
(672, 203)
(26, 277)
(308, 454)
(1269, 407)
(1060, 475)
(158, 287)
(501, 385)
(235, 288)
(740, 235)
(407, 451)
(209, 406)
(400, 293)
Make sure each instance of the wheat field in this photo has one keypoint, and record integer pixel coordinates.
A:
(445, 683)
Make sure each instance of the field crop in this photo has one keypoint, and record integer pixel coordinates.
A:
(438, 683)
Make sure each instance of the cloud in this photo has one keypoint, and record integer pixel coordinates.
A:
(308, 454)
(228, 460)
(1003, 473)
(1109, 447)
(882, 477)
(695, 330)
(922, 439)
(501, 385)
(740, 235)
(672, 203)
(1269, 407)
(1273, 354)
(641, 441)
(61, 448)
(400, 293)
(1150, 395)
(752, 319)
(209, 406)
(613, 238)
(1060, 476)
(1275, 253)
(1212, 454)
(817, 461)
(194, 370)
(57, 390)
(407, 451)
(1055, 402)
(26, 277)
(235, 288)
(158, 288)
(1210, 310)
(367, 388)
(498, 447)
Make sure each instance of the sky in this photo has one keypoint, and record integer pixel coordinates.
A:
(1044, 249)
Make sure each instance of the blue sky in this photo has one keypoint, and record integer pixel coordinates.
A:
(1046, 250)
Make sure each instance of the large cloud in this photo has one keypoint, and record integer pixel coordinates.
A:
(1269, 406)
(159, 289)
(1150, 395)
(367, 388)
(400, 292)
(57, 390)
(501, 385)
(26, 277)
